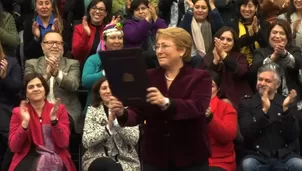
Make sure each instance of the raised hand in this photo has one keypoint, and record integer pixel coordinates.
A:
(36, 30)
(289, 100)
(56, 25)
(116, 106)
(128, 4)
(86, 26)
(115, 20)
(54, 110)
(266, 104)
(152, 11)
(255, 25)
(3, 68)
(219, 48)
(155, 97)
(24, 114)
(190, 3)
(53, 62)
(217, 58)
(280, 49)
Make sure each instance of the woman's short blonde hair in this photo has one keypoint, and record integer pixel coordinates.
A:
(180, 37)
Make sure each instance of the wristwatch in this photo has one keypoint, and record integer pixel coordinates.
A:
(167, 103)
(54, 122)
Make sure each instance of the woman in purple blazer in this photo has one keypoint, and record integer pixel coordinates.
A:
(175, 135)
(140, 29)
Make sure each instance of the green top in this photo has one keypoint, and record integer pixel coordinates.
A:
(9, 37)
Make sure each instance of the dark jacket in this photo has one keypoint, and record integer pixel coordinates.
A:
(271, 135)
(247, 40)
(233, 72)
(10, 88)
(291, 74)
(165, 10)
(32, 47)
(214, 19)
(179, 134)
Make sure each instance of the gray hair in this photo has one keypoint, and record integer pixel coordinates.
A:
(271, 67)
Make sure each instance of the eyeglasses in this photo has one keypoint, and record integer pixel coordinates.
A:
(51, 43)
(101, 9)
(162, 47)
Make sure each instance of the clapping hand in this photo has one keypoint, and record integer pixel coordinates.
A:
(116, 107)
(255, 25)
(36, 30)
(24, 114)
(56, 25)
(86, 26)
(216, 59)
(3, 68)
(219, 48)
(152, 11)
(54, 110)
(52, 66)
(280, 49)
(289, 99)
(266, 103)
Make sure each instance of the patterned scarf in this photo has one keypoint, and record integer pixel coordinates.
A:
(40, 130)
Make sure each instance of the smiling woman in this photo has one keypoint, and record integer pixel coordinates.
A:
(46, 18)
(39, 130)
(231, 65)
(282, 52)
(177, 98)
(87, 35)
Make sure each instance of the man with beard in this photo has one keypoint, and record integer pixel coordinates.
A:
(61, 73)
(269, 126)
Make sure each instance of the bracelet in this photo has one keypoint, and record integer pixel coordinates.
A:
(54, 122)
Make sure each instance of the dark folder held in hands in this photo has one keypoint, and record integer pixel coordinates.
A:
(126, 72)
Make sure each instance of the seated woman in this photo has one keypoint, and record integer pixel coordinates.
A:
(251, 28)
(87, 36)
(109, 147)
(8, 33)
(39, 131)
(202, 20)
(281, 51)
(222, 129)
(141, 27)
(46, 18)
(232, 65)
(93, 70)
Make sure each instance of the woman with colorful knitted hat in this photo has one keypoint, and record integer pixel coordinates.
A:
(112, 39)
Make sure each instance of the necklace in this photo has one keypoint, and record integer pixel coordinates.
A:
(169, 79)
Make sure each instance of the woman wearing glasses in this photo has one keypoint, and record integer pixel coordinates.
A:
(87, 36)
(175, 134)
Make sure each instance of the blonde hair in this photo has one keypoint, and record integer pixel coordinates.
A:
(180, 37)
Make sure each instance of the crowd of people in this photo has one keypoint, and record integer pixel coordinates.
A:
(224, 85)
